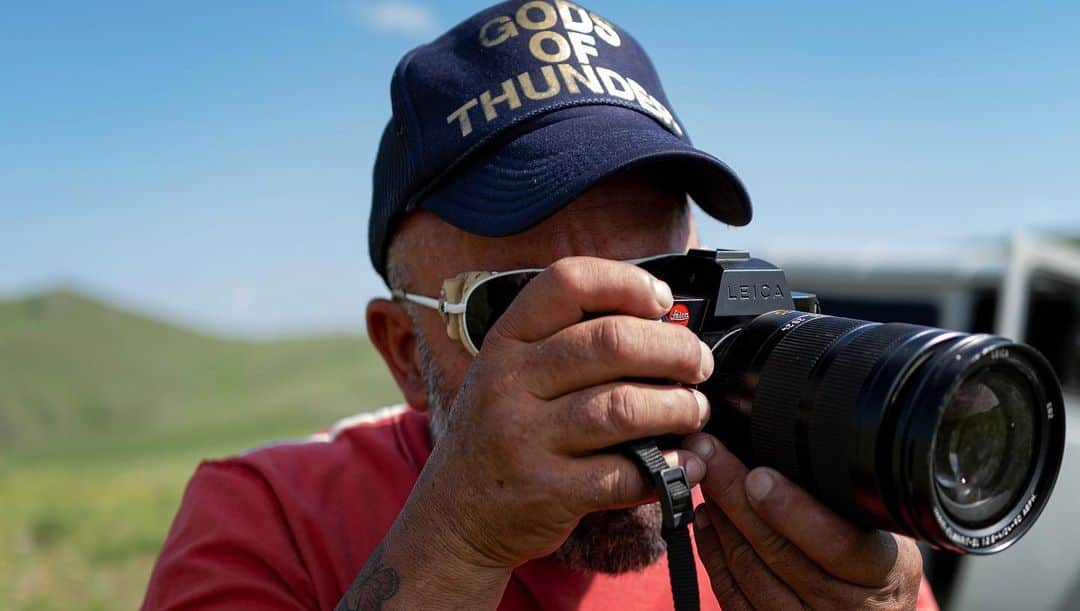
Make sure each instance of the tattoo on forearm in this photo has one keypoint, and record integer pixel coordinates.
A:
(374, 585)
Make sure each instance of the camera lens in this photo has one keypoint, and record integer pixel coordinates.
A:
(983, 446)
(952, 438)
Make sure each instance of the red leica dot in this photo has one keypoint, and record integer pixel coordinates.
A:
(679, 315)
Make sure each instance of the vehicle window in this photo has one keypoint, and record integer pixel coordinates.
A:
(984, 311)
(1053, 326)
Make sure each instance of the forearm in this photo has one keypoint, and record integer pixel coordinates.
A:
(413, 568)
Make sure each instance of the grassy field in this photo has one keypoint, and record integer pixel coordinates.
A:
(103, 416)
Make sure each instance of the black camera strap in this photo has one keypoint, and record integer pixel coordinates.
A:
(677, 508)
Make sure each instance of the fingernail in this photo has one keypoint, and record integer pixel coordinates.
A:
(706, 362)
(663, 293)
(758, 484)
(702, 446)
(701, 518)
(703, 406)
(695, 469)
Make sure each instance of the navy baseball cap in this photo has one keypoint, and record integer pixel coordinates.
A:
(516, 111)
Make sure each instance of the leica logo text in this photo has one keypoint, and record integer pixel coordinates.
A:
(754, 292)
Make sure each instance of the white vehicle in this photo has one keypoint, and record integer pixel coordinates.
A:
(1026, 288)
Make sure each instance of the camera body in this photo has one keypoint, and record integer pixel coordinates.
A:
(734, 286)
(949, 437)
(718, 292)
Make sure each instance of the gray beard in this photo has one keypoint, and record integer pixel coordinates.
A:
(615, 541)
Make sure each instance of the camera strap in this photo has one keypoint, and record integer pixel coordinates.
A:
(677, 508)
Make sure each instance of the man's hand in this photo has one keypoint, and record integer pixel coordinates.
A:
(521, 461)
(519, 467)
(767, 544)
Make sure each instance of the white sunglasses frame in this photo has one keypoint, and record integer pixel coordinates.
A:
(453, 301)
(455, 293)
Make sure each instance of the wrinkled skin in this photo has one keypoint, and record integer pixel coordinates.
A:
(767, 544)
(516, 469)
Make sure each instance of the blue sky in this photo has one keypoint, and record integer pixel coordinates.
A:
(211, 161)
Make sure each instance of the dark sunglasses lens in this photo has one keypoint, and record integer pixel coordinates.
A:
(489, 300)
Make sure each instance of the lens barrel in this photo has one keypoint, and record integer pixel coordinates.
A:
(952, 438)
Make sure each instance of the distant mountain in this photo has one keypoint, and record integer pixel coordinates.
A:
(77, 373)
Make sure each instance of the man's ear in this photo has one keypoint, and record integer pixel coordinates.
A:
(391, 331)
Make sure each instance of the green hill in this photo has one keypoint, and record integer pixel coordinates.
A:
(80, 376)
(104, 414)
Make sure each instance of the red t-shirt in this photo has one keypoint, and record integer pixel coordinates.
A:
(289, 526)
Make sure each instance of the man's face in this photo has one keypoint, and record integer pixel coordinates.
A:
(628, 217)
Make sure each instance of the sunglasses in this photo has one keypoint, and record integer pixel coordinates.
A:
(471, 302)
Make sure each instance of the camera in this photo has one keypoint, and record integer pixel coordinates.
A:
(952, 438)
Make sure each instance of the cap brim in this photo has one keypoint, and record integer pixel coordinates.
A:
(560, 155)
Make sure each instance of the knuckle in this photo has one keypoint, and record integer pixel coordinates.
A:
(591, 416)
(776, 548)
(610, 336)
(741, 557)
(568, 274)
(623, 412)
(498, 338)
(723, 585)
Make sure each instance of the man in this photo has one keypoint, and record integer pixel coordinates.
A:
(533, 136)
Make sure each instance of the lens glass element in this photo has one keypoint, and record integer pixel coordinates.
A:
(984, 445)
